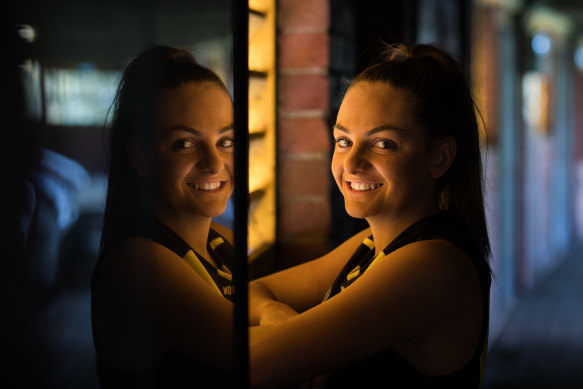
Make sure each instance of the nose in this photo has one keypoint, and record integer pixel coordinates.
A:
(356, 159)
(210, 160)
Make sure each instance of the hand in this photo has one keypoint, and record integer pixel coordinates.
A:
(276, 313)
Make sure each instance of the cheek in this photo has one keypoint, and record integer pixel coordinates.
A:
(172, 169)
(228, 162)
(408, 172)
(336, 168)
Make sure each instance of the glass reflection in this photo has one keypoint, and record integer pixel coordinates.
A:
(69, 58)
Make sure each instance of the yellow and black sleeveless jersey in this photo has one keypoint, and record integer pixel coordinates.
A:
(387, 369)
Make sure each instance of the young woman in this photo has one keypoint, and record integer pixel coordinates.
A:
(405, 302)
(161, 288)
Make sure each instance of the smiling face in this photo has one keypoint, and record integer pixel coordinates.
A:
(193, 151)
(382, 160)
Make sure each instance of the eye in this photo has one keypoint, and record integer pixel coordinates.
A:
(183, 144)
(385, 144)
(343, 143)
(226, 143)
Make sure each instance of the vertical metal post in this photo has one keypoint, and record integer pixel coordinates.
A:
(240, 22)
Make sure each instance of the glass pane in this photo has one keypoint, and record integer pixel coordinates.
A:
(76, 54)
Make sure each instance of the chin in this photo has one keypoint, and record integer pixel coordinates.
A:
(356, 211)
(212, 211)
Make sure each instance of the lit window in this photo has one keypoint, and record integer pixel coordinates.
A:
(79, 97)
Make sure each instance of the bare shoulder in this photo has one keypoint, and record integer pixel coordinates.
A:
(120, 260)
(139, 265)
(135, 258)
(132, 271)
(438, 259)
(225, 232)
(434, 272)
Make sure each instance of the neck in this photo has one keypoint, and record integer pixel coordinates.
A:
(193, 229)
(385, 228)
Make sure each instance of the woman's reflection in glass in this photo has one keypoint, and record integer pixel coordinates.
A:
(162, 290)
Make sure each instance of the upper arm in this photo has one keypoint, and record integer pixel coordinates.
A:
(412, 293)
(152, 298)
(305, 285)
(191, 316)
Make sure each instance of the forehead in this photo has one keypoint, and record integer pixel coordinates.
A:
(195, 104)
(369, 105)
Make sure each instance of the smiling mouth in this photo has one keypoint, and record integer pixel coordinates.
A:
(363, 187)
(207, 186)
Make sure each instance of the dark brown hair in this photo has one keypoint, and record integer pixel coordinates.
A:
(441, 100)
(134, 113)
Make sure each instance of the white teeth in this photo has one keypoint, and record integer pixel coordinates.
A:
(207, 185)
(363, 187)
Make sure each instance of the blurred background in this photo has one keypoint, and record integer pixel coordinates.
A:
(63, 58)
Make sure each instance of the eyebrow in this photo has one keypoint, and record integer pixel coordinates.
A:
(371, 131)
(198, 132)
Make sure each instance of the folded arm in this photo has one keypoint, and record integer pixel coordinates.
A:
(282, 294)
(426, 294)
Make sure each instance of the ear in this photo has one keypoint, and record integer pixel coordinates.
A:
(442, 156)
(137, 156)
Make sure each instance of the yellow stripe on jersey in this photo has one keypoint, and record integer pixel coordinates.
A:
(199, 268)
(225, 273)
(354, 273)
(215, 242)
(380, 255)
(368, 242)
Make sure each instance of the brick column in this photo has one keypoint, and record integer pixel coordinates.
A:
(303, 143)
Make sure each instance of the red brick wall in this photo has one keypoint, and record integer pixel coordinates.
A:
(303, 134)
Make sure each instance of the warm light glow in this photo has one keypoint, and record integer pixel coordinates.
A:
(260, 173)
(262, 221)
(261, 42)
(264, 6)
(262, 145)
(257, 95)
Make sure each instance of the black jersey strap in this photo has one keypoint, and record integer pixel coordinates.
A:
(364, 250)
(164, 235)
